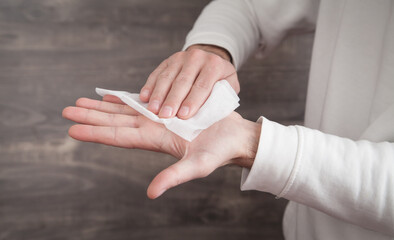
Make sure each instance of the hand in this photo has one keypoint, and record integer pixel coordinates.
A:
(184, 81)
(232, 140)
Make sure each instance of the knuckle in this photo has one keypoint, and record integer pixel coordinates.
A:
(178, 54)
(115, 134)
(123, 109)
(182, 78)
(175, 57)
(164, 75)
(156, 95)
(215, 60)
(196, 53)
(87, 115)
(203, 84)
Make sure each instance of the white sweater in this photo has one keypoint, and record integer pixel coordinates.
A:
(339, 178)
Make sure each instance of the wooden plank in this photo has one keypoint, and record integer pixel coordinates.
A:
(52, 187)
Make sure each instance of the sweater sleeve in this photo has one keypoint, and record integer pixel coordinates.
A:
(241, 26)
(350, 180)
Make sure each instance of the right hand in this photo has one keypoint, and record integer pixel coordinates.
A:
(180, 85)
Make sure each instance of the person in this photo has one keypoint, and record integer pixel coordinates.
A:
(337, 171)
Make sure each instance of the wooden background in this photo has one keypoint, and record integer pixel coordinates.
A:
(53, 187)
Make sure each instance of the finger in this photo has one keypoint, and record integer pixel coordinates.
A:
(112, 99)
(180, 88)
(163, 85)
(199, 93)
(107, 107)
(147, 89)
(97, 118)
(182, 171)
(114, 136)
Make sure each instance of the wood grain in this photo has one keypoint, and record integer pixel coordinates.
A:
(52, 187)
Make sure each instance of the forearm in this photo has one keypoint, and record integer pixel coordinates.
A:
(241, 26)
(228, 24)
(350, 180)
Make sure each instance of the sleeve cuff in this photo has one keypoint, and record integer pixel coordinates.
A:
(277, 160)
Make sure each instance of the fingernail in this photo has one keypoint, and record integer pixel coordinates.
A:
(154, 106)
(184, 111)
(145, 93)
(166, 111)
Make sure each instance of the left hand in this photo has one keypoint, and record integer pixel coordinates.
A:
(232, 140)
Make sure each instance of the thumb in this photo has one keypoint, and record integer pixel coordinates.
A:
(180, 172)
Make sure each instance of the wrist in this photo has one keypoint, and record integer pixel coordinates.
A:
(249, 143)
(221, 52)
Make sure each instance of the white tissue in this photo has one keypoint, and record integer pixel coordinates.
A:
(222, 101)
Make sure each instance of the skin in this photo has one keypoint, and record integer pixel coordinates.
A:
(232, 140)
(180, 85)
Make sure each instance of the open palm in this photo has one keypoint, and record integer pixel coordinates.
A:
(113, 123)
